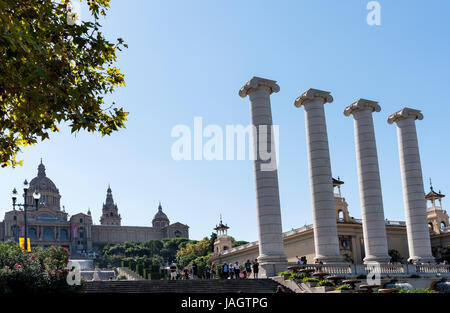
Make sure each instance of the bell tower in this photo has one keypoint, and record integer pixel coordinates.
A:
(223, 241)
(437, 217)
(110, 214)
(340, 204)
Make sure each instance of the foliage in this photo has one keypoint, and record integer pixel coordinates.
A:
(326, 282)
(284, 273)
(345, 287)
(121, 277)
(200, 248)
(37, 271)
(395, 256)
(310, 280)
(54, 71)
(416, 290)
(297, 276)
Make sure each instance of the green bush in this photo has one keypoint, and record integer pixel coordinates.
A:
(326, 282)
(284, 273)
(310, 280)
(297, 277)
(121, 277)
(417, 290)
(345, 287)
(37, 271)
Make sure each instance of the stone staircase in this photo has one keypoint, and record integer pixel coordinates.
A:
(183, 286)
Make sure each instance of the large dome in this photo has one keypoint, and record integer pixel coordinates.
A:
(42, 182)
(160, 219)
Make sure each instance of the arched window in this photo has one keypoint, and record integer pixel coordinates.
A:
(64, 234)
(430, 226)
(32, 234)
(15, 231)
(48, 234)
(443, 225)
(341, 216)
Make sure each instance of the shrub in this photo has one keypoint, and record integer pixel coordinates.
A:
(345, 287)
(310, 280)
(326, 282)
(297, 277)
(121, 277)
(38, 271)
(417, 290)
(284, 273)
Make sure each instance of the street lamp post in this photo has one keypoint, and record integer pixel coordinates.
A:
(36, 197)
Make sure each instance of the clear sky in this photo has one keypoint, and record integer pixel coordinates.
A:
(189, 58)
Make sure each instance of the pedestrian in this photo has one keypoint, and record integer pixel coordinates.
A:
(207, 272)
(225, 271)
(248, 269)
(173, 271)
(304, 260)
(186, 273)
(194, 270)
(231, 270)
(237, 270)
(299, 260)
(213, 271)
(255, 268)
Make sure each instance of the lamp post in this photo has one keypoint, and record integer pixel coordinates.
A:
(36, 197)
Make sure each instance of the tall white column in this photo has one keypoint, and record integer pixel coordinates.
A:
(270, 237)
(413, 192)
(374, 225)
(324, 215)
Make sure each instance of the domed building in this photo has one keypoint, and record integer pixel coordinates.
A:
(48, 224)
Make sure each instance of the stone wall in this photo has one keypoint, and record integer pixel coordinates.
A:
(116, 234)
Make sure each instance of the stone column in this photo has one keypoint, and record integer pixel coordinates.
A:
(271, 254)
(413, 192)
(324, 214)
(374, 225)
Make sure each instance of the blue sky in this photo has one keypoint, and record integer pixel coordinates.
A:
(189, 58)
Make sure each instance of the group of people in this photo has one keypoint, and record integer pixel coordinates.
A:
(301, 260)
(236, 271)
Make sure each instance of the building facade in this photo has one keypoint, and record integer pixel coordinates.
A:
(49, 225)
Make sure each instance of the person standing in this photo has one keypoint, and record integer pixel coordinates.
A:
(186, 273)
(207, 272)
(231, 270)
(194, 270)
(255, 268)
(225, 270)
(213, 271)
(173, 271)
(237, 270)
(248, 269)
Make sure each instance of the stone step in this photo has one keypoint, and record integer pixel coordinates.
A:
(182, 286)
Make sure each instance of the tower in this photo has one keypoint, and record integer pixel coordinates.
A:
(437, 217)
(340, 204)
(110, 214)
(223, 241)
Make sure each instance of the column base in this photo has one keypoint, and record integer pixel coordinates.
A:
(376, 259)
(273, 264)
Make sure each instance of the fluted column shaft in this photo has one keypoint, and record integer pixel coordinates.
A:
(265, 171)
(413, 190)
(374, 225)
(324, 214)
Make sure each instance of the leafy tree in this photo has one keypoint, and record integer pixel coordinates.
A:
(212, 239)
(395, 256)
(200, 248)
(54, 71)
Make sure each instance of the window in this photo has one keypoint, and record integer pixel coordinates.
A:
(32, 233)
(443, 225)
(177, 233)
(64, 235)
(81, 220)
(48, 234)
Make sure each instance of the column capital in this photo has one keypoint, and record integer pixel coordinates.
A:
(311, 94)
(404, 114)
(256, 83)
(361, 105)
